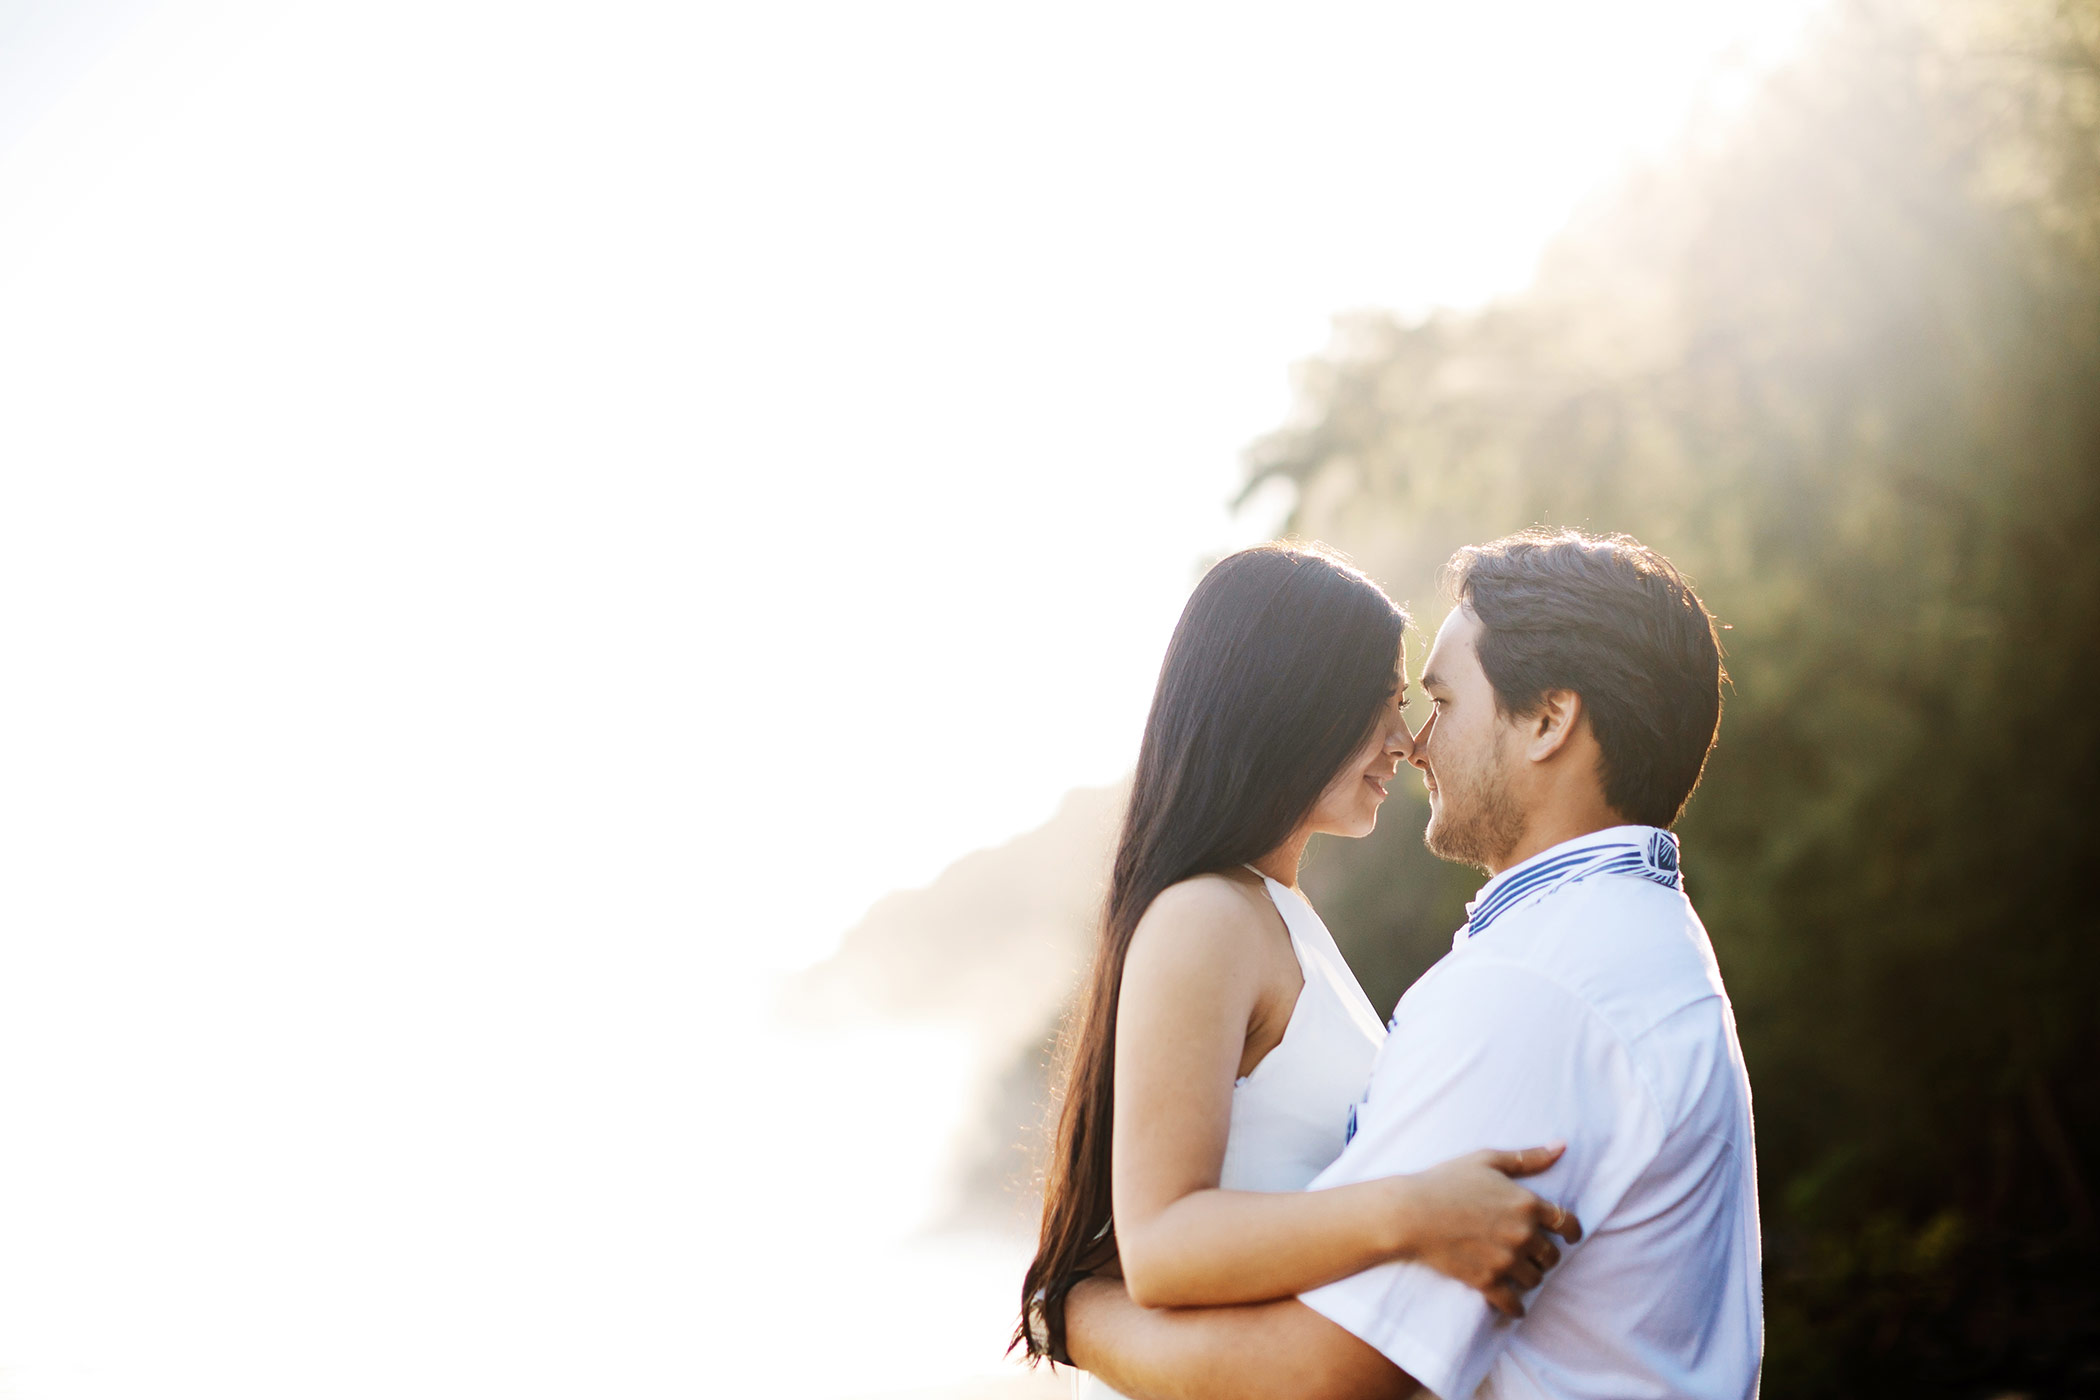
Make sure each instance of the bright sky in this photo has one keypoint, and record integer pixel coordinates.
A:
(520, 520)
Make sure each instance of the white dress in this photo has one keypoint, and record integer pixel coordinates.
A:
(1290, 1117)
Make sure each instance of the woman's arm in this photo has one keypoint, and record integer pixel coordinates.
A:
(1466, 1218)
(1203, 969)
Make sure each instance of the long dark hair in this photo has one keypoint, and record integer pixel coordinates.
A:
(1280, 665)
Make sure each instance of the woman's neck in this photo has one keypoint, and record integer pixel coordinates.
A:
(1281, 864)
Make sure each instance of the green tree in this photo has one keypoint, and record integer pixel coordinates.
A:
(1840, 359)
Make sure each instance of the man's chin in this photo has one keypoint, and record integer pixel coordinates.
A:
(1443, 849)
(1434, 839)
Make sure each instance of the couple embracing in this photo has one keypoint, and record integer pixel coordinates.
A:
(1259, 1190)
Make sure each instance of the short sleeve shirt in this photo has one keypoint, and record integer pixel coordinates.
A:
(1587, 1009)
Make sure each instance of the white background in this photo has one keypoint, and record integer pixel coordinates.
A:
(520, 520)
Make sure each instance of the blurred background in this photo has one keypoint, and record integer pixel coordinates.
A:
(580, 582)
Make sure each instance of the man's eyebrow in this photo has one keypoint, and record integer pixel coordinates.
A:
(1432, 681)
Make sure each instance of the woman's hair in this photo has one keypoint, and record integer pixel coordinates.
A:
(1280, 665)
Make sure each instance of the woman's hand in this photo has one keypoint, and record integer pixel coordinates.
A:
(1469, 1219)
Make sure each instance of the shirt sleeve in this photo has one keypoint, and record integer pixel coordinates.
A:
(1485, 1053)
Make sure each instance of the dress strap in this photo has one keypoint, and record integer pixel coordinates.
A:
(1319, 955)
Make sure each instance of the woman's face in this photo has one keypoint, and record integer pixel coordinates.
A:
(1349, 806)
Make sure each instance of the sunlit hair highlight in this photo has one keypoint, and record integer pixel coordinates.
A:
(1277, 672)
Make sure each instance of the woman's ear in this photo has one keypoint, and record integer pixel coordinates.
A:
(1559, 712)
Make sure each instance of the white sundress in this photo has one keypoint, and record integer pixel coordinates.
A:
(1290, 1117)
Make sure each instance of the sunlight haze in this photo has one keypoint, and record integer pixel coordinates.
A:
(522, 521)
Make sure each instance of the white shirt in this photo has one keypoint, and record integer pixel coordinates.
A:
(1582, 1002)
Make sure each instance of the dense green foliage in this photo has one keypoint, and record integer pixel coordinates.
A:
(1841, 361)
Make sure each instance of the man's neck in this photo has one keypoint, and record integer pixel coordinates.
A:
(1547, 830)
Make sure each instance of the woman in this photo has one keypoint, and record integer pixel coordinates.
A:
(1223, 1041)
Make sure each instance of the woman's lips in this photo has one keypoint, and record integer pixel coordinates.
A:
(1376, 783)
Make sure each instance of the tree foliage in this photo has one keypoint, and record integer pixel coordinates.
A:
(1840, 359)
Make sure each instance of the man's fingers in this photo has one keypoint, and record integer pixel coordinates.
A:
(1525, 1274)
(1529, 1162)
(1544, 1252)
(1503, 1299)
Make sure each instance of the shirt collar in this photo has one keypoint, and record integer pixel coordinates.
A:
(1645, 851)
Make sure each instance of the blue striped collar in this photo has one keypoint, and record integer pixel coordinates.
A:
(1647, 852)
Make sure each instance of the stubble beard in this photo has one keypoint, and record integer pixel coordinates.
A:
(1476, 821)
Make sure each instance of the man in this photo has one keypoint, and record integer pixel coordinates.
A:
(1576, 692)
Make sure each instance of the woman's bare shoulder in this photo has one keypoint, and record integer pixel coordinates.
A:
(1208, 914)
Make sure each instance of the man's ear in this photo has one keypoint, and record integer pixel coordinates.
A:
(1549, 729)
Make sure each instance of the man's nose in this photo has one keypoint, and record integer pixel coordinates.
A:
(1418, 746)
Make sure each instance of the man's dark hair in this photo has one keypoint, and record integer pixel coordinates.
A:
(1615, 622)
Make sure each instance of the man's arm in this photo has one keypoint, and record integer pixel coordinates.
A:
(1260, 1351)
